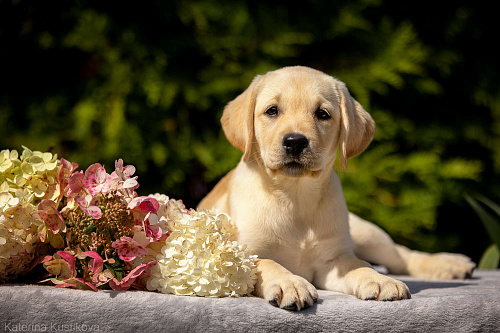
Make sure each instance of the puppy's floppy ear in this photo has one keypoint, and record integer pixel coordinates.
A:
(357, 127)
(237, 119)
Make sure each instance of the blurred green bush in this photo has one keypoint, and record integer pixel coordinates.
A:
(147, 82)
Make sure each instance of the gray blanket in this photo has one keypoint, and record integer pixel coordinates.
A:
(449, 306)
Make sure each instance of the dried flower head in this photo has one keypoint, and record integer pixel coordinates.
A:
(98, 235)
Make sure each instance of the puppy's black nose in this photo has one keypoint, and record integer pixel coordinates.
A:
(295, 143)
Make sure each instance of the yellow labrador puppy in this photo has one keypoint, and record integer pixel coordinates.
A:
(287, 201)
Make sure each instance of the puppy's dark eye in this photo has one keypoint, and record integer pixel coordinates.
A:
(272, 111)
(322, 114)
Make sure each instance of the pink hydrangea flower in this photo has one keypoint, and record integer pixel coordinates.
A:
(66, 170)
(141, 207)
(58, 267)
(151, 227)
(121, 178)
(144, 212)
(50, 215)
(89, 205)
(96, 179)
(128, 249)
(63, 267)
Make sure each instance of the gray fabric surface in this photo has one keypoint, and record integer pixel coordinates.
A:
(449, 306)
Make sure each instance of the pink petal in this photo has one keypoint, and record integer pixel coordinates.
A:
(81, 280)
(129, 183)
(93, 211)
(91, 185)
(154, 231)
(129, 249)
(97, 265)
(141, 207)
(76, 182)
(96, 179)
(81, 201)
(119, 164)
(98, 261)
(146, 204)
(128, 280)
(46, 204)
(128, 171)
(94, 201)
(70, 259)
(53, 219)
(100, 175)
(92, 169)
(67, 168)
(67, 165)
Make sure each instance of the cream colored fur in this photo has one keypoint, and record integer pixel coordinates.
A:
(290, 210)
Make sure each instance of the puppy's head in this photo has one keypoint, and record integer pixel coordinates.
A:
(294, 119)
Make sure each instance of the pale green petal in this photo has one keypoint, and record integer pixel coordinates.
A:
(13, 201)
(47, 157)
(14, 155)
(20, 181)
(35, 160)
(51, 166)
(27, 168)
(40, 167)
(6, 164)
(4, 187)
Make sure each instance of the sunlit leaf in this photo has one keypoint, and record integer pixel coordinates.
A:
(491, 223)
(490, 258)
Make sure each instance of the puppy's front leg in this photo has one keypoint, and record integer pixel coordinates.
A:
(349, 275)
(281, 288)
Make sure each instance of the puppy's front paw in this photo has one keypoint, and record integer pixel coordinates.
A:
(382, 288)
(442, 266)
(290, 293)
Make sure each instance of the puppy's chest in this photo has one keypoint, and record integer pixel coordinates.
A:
(300, 248)
(291, 236)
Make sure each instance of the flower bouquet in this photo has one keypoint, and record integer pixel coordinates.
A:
(91, 230)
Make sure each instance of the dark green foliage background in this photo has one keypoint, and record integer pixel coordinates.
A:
(147, 82)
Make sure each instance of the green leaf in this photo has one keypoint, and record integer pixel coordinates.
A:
(115, 269)
(108, 266)
(119, 274)
(90, 229)
(490, 258)
(491, 224)
(490, 204)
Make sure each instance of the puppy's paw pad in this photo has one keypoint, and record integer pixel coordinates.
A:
(292, 293)
(384, 289)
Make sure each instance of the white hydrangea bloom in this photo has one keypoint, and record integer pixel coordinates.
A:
(24, 181)
(200, 257)
(18, 237)
(7, 200)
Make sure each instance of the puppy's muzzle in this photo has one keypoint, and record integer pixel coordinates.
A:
(294, 144)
